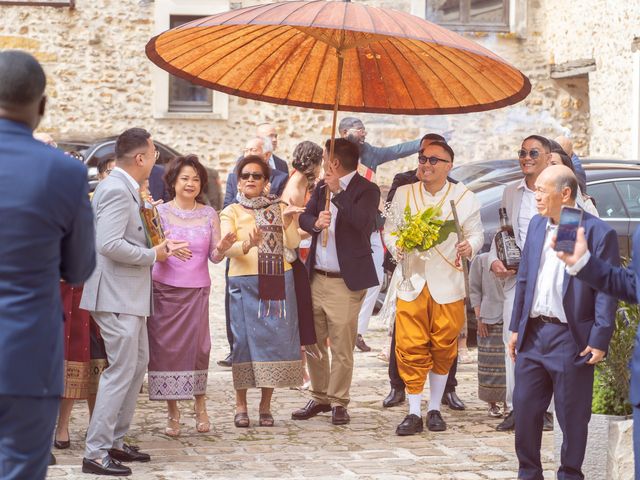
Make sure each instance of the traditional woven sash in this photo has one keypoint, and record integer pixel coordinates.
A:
(271, 285)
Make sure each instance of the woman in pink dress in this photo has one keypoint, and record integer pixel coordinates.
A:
(179, 341)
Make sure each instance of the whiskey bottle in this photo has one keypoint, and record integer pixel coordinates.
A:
(506, 247)
(151, 220)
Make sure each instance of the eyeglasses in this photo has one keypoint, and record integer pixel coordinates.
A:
(432, 160)
(255, 176)
(156, 153)
(533, 153)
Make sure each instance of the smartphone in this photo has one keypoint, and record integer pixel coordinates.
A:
(570, 219)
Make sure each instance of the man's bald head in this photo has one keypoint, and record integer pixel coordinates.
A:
(22, 84)
(560, 177)
(566, 144)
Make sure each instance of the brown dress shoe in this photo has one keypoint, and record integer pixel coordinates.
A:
(311, 409)
(339, 416)
(360, 345)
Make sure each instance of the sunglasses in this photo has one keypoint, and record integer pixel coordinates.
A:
(533, 153)
(255, 176)
(432, 160)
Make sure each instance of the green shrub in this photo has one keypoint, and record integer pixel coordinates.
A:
(611, 382)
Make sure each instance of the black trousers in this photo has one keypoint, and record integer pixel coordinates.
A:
(548, 363)
(394, 376)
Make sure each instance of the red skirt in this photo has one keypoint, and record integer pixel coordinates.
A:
(84, 354)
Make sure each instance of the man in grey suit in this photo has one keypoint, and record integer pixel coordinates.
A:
(119, 297)
(519, 200)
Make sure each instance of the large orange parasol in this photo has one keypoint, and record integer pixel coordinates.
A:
(338, 55)
(291, 53)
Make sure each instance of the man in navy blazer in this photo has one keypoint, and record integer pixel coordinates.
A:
(560, 327)
(46, 235)
(622, 283)
(341, 271)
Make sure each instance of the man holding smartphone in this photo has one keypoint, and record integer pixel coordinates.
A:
(561, 327)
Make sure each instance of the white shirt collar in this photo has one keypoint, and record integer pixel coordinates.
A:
(131, 180)
(272, 162)
(523, 184)
(439, 192)
(346, 180)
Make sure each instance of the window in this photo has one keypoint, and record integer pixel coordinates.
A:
(607, 200)
(470, 15)
(176, 98)
(630, 193)
(184, 96)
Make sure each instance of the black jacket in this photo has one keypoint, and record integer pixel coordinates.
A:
(357, 209)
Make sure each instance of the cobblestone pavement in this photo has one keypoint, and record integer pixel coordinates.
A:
(367, 448)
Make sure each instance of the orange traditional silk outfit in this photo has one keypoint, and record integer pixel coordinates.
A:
(430, 318)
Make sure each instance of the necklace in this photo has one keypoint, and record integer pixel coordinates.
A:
(175, 204)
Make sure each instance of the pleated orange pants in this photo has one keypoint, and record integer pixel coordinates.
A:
(426, 338)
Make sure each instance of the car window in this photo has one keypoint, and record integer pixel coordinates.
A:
(607, 200)
(630, 193)
(106, 150)
(165, 155)
(488, 193)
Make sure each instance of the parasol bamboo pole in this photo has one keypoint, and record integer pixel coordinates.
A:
(327, 203)
(465, 265)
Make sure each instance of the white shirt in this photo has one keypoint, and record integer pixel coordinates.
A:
(131, 180)
(327, 257)
(527, 211)
(272, 162)
(547, 296)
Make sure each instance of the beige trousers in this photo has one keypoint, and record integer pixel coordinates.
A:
(335, 315)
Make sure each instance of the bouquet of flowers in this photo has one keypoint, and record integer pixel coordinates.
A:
(419, 232)
(423, 230)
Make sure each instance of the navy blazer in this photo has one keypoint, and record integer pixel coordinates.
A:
(46, 234)
(280, 164)
(590, 312)
(278, 182)
(157, 187)
(622, 283)
(355, 222)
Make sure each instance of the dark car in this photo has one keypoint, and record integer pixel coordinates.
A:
(613, 185)
(470, 173)
(93, 151)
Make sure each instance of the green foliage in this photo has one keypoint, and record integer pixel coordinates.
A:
(611, 382)
(423, 230)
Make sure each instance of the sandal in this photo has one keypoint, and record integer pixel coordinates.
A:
(202, 422)
(241, 420)
(173, 427)
(266, 420)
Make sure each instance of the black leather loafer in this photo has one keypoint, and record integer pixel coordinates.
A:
(109, 466)
(311, 409)
(435, 423)
(340, 416)
(395, 398)
(129, 453)
(508, 423)
(411, 425)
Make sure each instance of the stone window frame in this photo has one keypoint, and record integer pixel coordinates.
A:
(163, 11)
(635, 105)
(517, 11)
(29, 3)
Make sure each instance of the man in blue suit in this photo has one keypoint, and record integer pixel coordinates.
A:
(47, 234)
(622, 283)
(560, 327)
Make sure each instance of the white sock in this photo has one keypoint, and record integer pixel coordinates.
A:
(437, 384)
(415, 399)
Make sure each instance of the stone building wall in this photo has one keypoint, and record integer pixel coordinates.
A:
(100, 84)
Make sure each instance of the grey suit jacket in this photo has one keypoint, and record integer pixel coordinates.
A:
(511, 200)
(485, 290)
(121, 282)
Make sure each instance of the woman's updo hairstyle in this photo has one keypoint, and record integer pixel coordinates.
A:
(306, 158)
